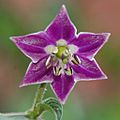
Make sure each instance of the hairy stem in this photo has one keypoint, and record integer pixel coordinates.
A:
(40, 94)
(35, 112)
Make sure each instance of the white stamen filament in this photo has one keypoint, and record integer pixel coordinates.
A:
(48, 61)
(77, 59)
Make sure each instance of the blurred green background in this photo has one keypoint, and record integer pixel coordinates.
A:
(94, 100)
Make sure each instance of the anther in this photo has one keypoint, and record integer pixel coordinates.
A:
(69, 71)
(57, 70)
(76, 60)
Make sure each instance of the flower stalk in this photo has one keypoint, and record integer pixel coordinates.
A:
(42, 88)
(37, 108)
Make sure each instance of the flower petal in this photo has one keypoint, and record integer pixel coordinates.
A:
(37, 73)
(90, 43)
(88, 70)
(32, 45)
(62, 86)
(61, 27)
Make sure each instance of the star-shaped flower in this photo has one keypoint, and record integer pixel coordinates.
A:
(60, 56)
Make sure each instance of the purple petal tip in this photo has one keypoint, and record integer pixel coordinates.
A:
(63, 7)
(12, 39)
(107, 35)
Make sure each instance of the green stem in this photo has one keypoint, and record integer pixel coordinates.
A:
(12, 114)
(35, 112)
(40, 94)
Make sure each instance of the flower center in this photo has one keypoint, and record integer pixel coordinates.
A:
(63, 53)
(60, 56)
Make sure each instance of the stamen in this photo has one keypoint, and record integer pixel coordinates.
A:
(54, 70)
(69, 71)
(48, 62)
(57, 70)
(76, 60)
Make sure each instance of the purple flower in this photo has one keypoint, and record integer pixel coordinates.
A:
(60, 56)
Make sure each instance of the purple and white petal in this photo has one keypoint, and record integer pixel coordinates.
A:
(32, 45)
(37, 73)
(90, 43)
(88, 70)
(61, 27)
(62, 86)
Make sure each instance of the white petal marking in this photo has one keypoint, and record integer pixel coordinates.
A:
(72, 48)
(51, 49)
(61, 42)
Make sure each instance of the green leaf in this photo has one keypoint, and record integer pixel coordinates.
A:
(13, 116)
(54, 106)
